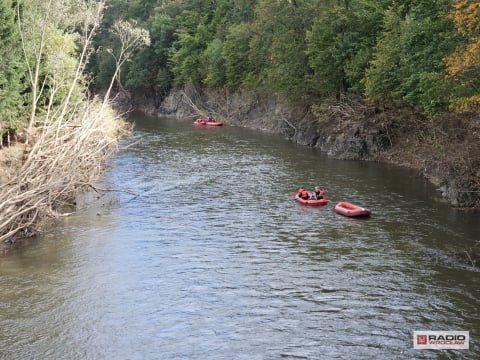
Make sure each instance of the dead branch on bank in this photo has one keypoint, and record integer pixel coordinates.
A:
(219, 103)
(291, 125)
(470, 256)
(189, 102)
(66, 157)
(343, 109)
(103, 190)
(71, 141)
(214, 102)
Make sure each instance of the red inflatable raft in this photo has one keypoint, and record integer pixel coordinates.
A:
(207, 122)
(311, 201)
(347, 209)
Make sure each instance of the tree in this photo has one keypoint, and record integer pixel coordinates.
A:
(50, 47)
(236, 53)
(12, 68)
(407, 59)
(427, 36)
(34, 23)
(186, 57)
(195, 31)
(163, 30)
(131, 38)
(340, 44)
(325, 50)
(279, 44)
(463, 66)
(382, 76)
(87, 17)
(215, 64)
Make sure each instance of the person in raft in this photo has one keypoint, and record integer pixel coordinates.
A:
(302, 193)
(319, 193)
(209, 118)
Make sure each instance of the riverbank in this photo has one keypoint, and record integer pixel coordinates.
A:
(444, 149)
(41, 178)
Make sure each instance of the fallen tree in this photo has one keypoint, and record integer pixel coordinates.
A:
(64, 159)
(69, 136)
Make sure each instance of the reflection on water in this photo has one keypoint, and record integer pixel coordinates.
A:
(214, 260)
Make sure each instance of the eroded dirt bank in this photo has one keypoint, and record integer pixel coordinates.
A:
(446, 150)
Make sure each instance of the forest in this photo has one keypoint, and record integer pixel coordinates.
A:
(423, 54)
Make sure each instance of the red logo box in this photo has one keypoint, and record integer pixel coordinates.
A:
(422, 339)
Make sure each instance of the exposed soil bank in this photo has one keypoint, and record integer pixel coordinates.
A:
(446, 149)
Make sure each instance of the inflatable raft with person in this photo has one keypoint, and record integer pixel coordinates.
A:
(310, 198)
(207, 122)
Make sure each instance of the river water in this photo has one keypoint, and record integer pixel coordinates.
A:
(215, 260)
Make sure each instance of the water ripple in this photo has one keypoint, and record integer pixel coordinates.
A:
(214, 260)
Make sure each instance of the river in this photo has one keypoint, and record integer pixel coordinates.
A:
(213, 259)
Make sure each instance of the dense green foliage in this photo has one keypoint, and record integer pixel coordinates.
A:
(39, 66)
(385, 50)
(420, 53)
(12, 68)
